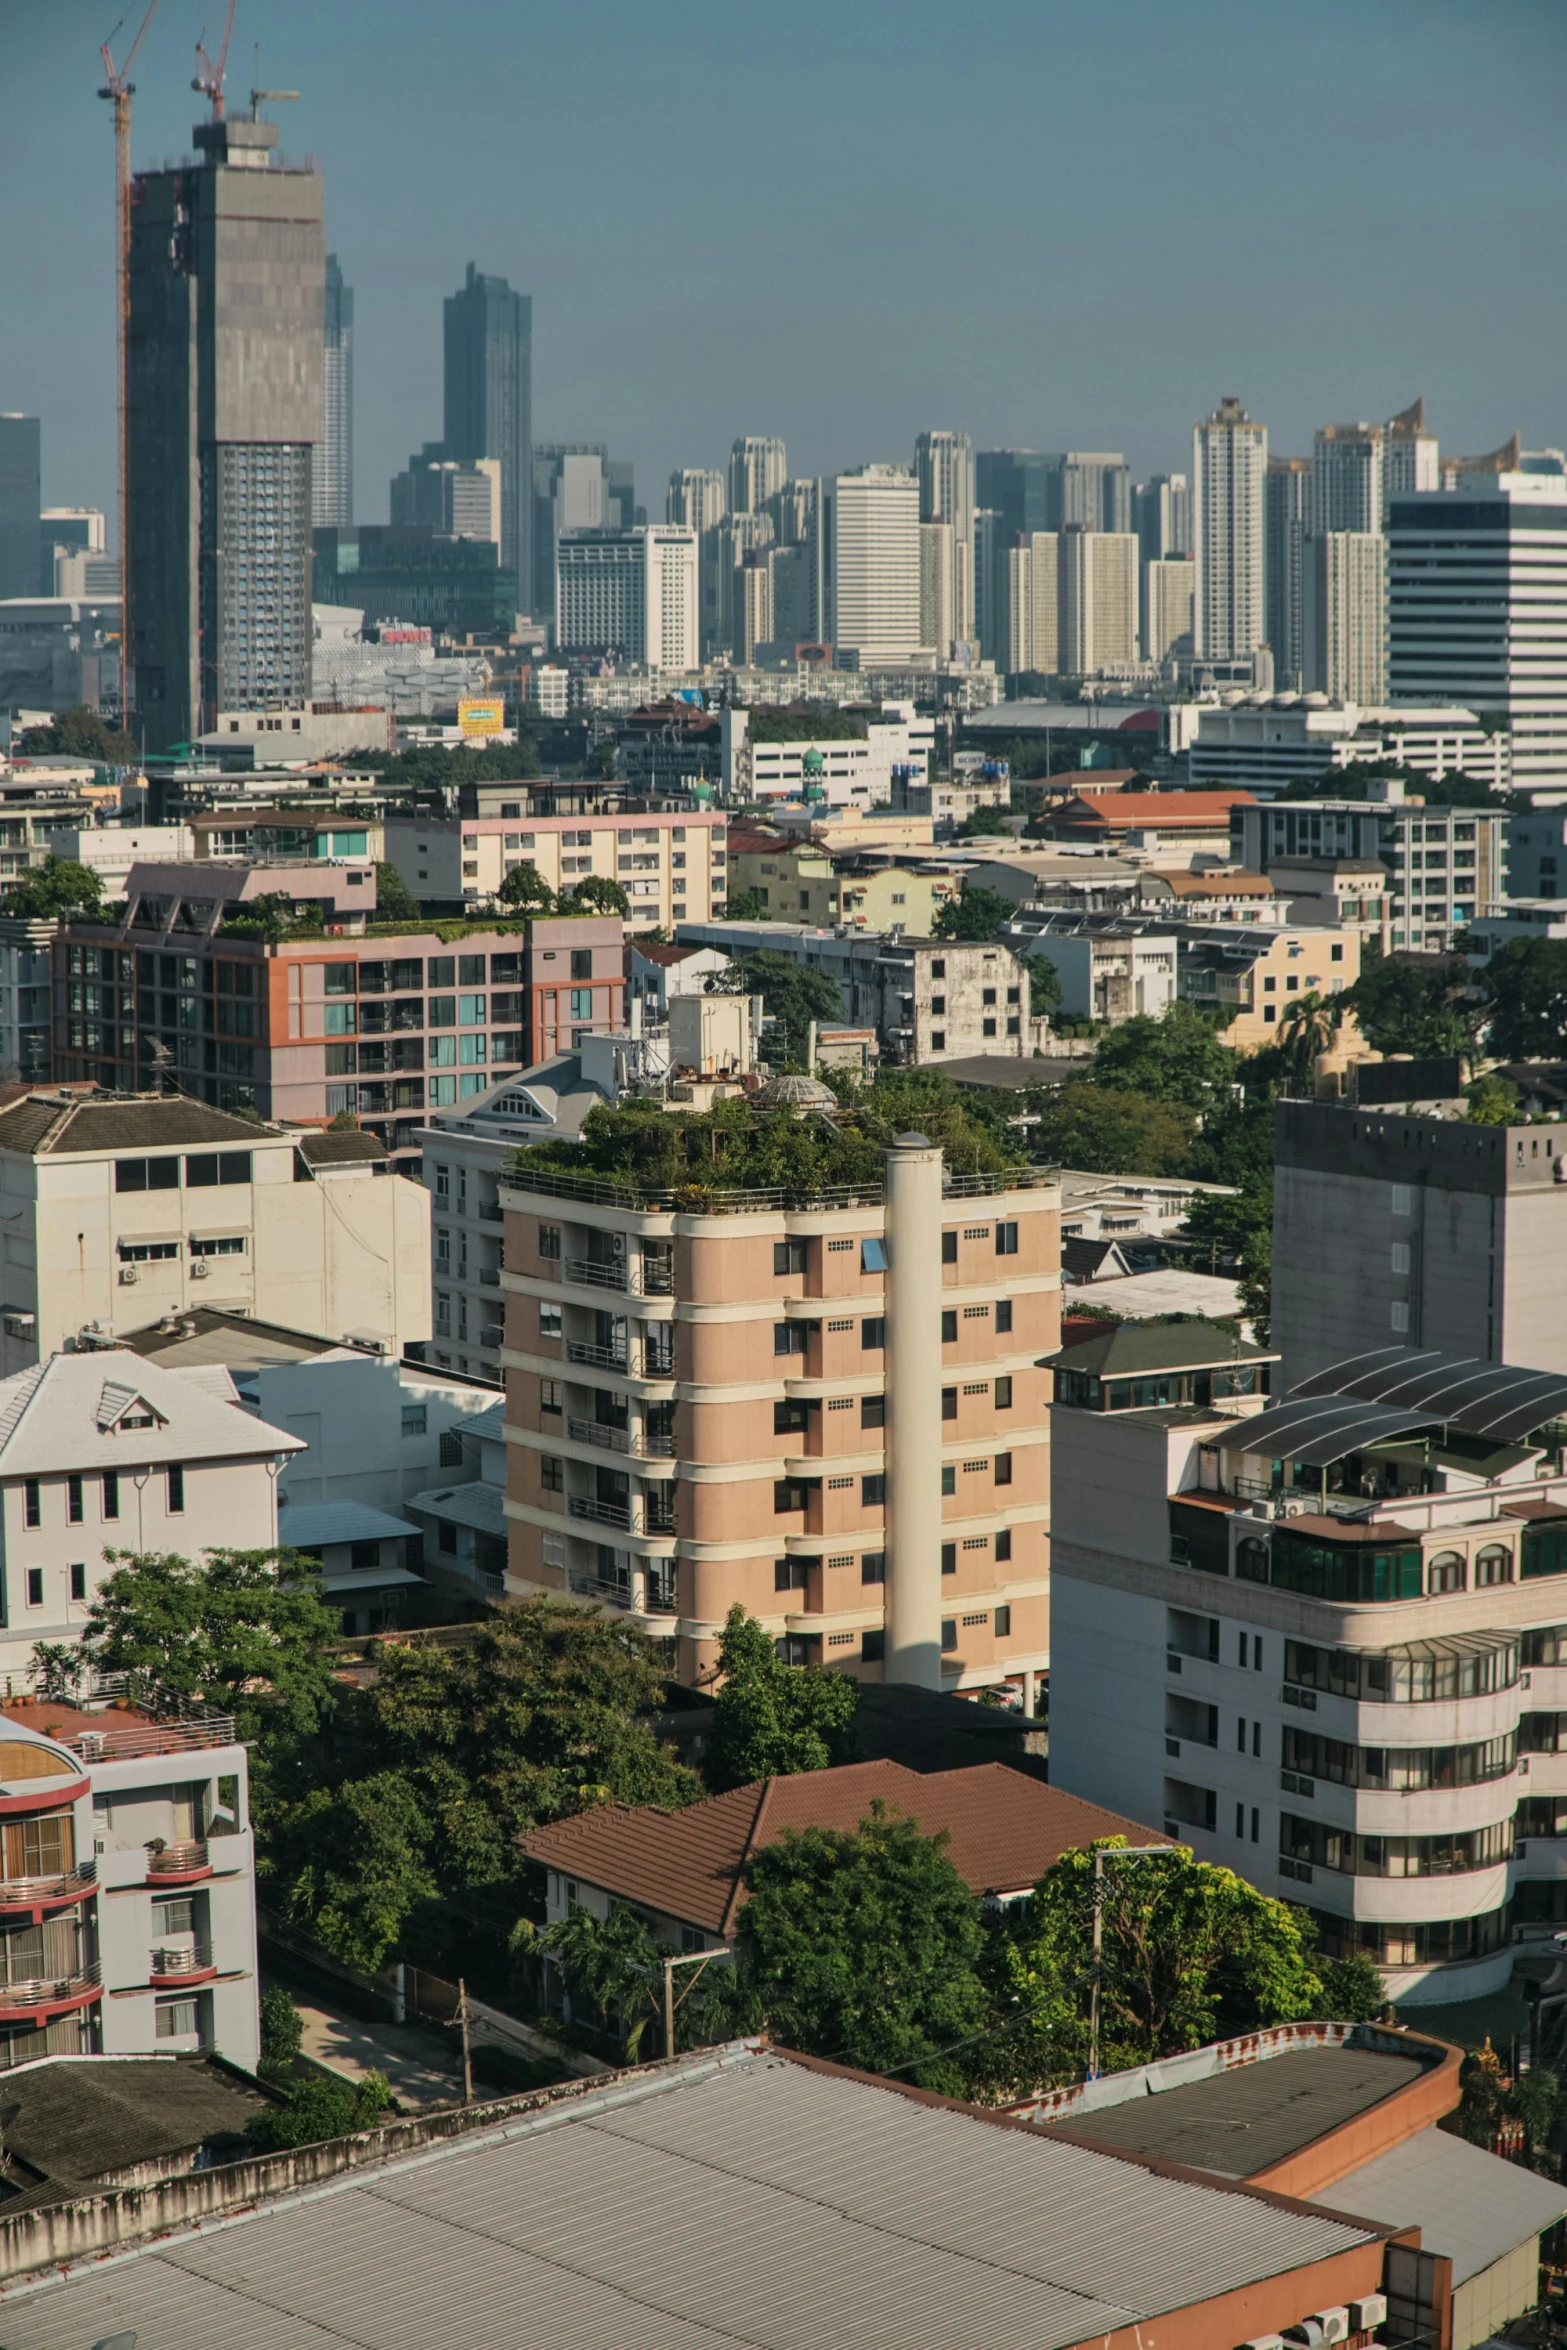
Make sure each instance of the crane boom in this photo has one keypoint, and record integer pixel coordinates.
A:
(209, 81)
(119, 89)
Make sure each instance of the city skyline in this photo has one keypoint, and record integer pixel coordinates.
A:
(1195, 123)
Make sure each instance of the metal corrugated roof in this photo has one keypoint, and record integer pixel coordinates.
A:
(474, 1504)
(1484, 1399)
(1319, 1429)
(308, 1525)
(740, 2199)
(1464, 2201)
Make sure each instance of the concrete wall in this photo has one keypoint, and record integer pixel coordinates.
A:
(350, 1411)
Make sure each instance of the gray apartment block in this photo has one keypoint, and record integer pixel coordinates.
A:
(19, 505)
(1390, 1229)
(227, 292)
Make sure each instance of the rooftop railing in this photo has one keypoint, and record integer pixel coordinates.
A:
(695, 1199)
(118, 1739)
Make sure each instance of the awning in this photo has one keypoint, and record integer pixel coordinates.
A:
(1498, 1400)
(1320, 1429)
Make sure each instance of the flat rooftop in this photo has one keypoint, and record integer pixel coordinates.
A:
(1240, 2122)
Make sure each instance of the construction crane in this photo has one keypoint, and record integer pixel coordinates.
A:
(209, 80)
(119, 89)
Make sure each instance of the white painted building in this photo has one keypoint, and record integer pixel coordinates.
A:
(110, 850)
(1169, 587)
(114, 1210)
(1260, 742)
(1344, 616)
(633, 592)
(866, 771)
(1229, 468)
(669, 864)
(128, 1898)
(1098, 600)
(104, 1451)
(944, 467)
(1346, 479)
(874, 535)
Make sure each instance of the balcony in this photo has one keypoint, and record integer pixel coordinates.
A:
(656, 1364)
(658, 1277)
(489, 1276)
(178, 1864)
(599, 1432)
(176, 1737)
(490, 1212)
(36, 1894)
(601, 1513)
(601, 1358)
(585, 1272)
(194, 1965)
(45, 1995)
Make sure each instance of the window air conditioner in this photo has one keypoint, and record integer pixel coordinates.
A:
(200, 1270)
(129, 1276)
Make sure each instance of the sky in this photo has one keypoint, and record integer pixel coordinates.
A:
(1049, 223)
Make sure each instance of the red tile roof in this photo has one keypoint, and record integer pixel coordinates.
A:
(1005, 1829)
(1163, 811)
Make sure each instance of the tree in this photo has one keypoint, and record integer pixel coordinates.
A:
(1527, 984)
(282, 2029)
(1420, 1004)
(1493, 1101)
(319, 2109)
(794, 996)
(1176, 1058)
(1104, 1130)
(747, 905)
(360, 1866)
(1308, 1028)
(58, 886)
(1044, 987)
(437, 767)
(79, 733)
(594, 894)
(526, 888)
(614, 1963)
(772, 1718)
(977, 915)
(983, 823)
(272, 918)
(864, 1948)
(805, 722)
(1505, 2113)
(394, 900)
(217, 1628)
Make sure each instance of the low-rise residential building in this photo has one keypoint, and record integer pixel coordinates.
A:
(670, 860)
(1165, 826)
(658, 969)
(118, 1211)
(110, 850)
(1111, 967)
(1443, 865)
(463, 1519)
(1212, 897)
(1336, 892)
(1114, 1208)
(863, 889)
(1320, 1640)
(1249, 975)
(361, 1557)
(128, 1902)
(743, 1401)
(298, 834)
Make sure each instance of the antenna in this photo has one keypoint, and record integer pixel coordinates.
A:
(209, 80)
(119, 89)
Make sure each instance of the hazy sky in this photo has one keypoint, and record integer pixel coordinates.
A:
(1052, 223)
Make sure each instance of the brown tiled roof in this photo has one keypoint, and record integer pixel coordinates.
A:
(1216, 885)
(1536, 1507)
(342, 1147)
(1004, 1829)
(45, 1125)
(664, 951)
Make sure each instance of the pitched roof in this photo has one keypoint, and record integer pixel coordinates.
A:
(66, 1414)
(339, 1147)
(1213, 885)
(666, 951)
(55, 1125)
(1005, 1830)
(1464, 2202)
(1132, 1347)
(1164, 811)
(309, 1525)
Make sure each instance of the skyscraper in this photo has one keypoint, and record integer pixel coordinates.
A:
(489, 401)
(1098, 599)
(1346, 478)
(1344, 637)
(1229, 466)
(875, 539)
(1162, 517)
(20, 505)
(1096, 490)
(758, 469)
(944, 467)
(633, 592)
(698, 499)
(1411, 457)
(332, 492)
(1022, 487)
(224, 412)
(1287, 495)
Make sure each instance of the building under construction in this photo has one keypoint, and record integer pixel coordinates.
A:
(223, 408)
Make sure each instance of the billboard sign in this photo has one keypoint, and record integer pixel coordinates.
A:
(482, 714)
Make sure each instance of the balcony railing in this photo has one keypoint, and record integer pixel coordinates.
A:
(696, 1199)
(601, 1513)
(599, 1432)
(586, 1272)
(658, 1277)
(117, 1739)
(179, 1860)
(174, 1966)
(491, 1212)
(611, 1590)
(657, 1365)
(602, 1358)
(489, 1276)
(50, 1990)
(30, 1892)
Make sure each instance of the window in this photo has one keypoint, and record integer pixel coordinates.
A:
(873, 1647)
(442, 1011)
(873, 1256)
(873, 1331)
(938, 1040)
(1003, 1623)
(1403, 1200)
(873, 1411)
(790, 1575)
(549, 1321)
(1003, 1395)
(552, 1396)
(230, 1244)
(340, 1020)
(582, 1003)
(339, 978)
(791, 1417)
(789, 1256)
(176, 2019)
(949, 1558)
(32, 1503)
(1003, 1468)
(217, 1167)
(147, 1174)
(35, 1587)
(1003, 1314)
(364, 1555)
(873, 1567)
(1493, 1565)
(938, 968)
(73, 1501)
(1446, 1573)
(949, 1248)
(443, 971)
(415, 1419)
(790, 1493)
(582, 962)
(111, 1493)
(789, 1338)
(552, 1473)
(147, 1252)
(873, 1492)
(1004, 1543)
(949, 1403)
(949, 1478)
(176, 1488)
(949, 1635)
(949, 1325)
(1006, 1240)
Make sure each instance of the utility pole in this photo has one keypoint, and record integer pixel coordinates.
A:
(1102, 1853)
(467, 2052)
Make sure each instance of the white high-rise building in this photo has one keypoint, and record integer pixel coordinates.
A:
(1411, 458)
(1168, 590)
(630, 591)
(1346, 478)
(1477, 608)
(1098, 600)
(937, 583)
(1229, 468)
(696, 499)
(758, 469)
(944, 465)
(1344, 630)
(1033, 599)
(875, 542)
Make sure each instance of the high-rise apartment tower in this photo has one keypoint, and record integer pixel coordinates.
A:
(944, 468)
(1229, 468)
(1287, 503)
(332, 493)
(758, 469)
(489, 401)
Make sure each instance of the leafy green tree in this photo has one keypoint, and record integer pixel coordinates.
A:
(282, 2028)
(977, 915)
(270, 917)
(394, 900)
(435, 767)
(747, 905)
(1527, 985)
(1419, 1004)
(1044, 987)
(613, 1964)
(58, 886)
(1493, 2103)
(1106, 1129)
(220, 1627)
(526, 888)
(1308, 1028)
(1176, 1058)
(360, 1866)
(793, 994)
(319, 2109)
(79, 733)
(805, 722)
(983, 823)
(772, 1718)
(594, 894)
(1493, 1101)
(864, 1948)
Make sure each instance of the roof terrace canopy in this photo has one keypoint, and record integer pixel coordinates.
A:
(1320, 1429)
(1481, 1398)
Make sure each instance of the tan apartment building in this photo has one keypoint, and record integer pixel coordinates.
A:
(802, 881)
(829, 1410)
(671, 863)
(1253, 972)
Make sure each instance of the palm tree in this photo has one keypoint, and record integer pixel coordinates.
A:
(1308, 1028)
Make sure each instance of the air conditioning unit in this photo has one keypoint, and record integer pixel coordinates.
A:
(1264, 2342)
(129, 1276)
(200, 1270)
(617, 1244)
(1324, 2325)
(1370, 2310)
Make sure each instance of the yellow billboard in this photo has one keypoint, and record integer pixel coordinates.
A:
(482, 714)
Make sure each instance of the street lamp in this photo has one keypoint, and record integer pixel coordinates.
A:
(1102, 1853)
